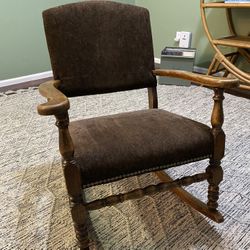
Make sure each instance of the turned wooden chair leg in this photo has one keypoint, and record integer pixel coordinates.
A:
(80, 225)
(72, 175)
(78, 211)
(215, 173)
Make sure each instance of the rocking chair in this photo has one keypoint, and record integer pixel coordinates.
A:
(101, 47)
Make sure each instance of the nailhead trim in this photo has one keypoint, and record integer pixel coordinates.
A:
(175, 164)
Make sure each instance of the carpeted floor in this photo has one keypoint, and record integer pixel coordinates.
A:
(34, 207)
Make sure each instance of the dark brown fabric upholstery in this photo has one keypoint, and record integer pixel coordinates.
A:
(112, 147)
(100, 46)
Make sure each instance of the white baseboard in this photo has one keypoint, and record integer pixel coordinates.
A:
(28, 78)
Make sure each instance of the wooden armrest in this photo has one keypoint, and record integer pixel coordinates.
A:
(204, 80)
(57, 102)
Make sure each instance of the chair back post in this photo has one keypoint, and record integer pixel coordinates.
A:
(152, 98)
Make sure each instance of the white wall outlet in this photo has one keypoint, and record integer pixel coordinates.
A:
(185, 39)
(177, 36)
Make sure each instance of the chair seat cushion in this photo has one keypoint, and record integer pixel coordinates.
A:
(112, 147)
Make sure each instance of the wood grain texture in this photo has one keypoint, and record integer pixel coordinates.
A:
(72, 175)
(234, 41)
(57, 101)
(152, 98)
(204, 80)
(149, 190)
(215, 66)
(214, 170)
(225, 5)
(191, 200)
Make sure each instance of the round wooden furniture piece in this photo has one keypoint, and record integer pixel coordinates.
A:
(242, 43)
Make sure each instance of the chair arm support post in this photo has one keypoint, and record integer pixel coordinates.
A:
(217, 120)
(72, 175)
(214, 170)
(65, 141)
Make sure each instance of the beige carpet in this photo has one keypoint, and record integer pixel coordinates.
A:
(34, 207)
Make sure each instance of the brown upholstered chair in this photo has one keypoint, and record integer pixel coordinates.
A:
(98, 47)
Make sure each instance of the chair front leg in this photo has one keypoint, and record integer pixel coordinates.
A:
(73, 181)
(78, 211)
(214, 169)
(215, 177)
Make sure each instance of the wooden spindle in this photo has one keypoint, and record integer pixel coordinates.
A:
(149, 190)
(214, 170)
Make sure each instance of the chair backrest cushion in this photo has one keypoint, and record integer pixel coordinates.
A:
(100, 46)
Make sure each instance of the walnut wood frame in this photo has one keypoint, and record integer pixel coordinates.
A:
(58, 106)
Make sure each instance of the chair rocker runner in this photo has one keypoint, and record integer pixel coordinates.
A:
(100, 47)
